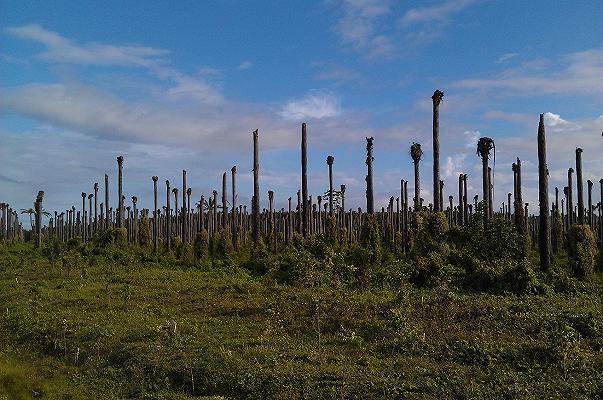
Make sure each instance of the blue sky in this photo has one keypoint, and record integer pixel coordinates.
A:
(181, 85)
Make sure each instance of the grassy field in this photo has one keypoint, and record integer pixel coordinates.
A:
(132, 326)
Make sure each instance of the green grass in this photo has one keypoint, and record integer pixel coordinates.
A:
(128, 328)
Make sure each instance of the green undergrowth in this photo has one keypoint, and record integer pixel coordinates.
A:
(462, 316)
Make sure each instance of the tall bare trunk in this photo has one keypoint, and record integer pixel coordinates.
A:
(580, 186)
(107, 214)
(234, 223)
(590, 202)
(490, 193)
(120, 200)
(304, 183)
(183, 212)
(570, 197)
(441, 200)
(543, 196)
(330, 160)
(95, 206)
(256, 190)
(437, 198)
(224, 201)
(370, 204)
(465, 199)
(460, 214)
(83, 220)
(38, 210)
(168, 217)
(416, 153)
(155, 215)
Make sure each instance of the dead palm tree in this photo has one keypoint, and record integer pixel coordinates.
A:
(155, 215)
(436, 98)
(168, 213)
(39, 212)
(120, 200)
(95, 206)
(304, 182)
(224, 202)
(83, 227)
(590, 202)
(176, 212)
(89, 228)
(416, 153)
(107, 214)
(330, 160)
(580, 186)
(370, 204)
(543, 197)
(135, 224)
(484, 146)
(570, 197)
(256, 190)
(233, 172)
(183, 213)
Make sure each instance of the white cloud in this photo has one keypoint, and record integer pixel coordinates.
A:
(357, 27)
(245, 65)
(438, 13)
(191, 88)
(553, 120)
(471, 138)
(62, 50)
(579, 72)
(314, 106)
(454, 165)
(506, 57)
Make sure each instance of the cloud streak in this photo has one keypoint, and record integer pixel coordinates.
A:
(358, 28)
(579, 72)
(314, 106)
(438, 13)
(62, 50)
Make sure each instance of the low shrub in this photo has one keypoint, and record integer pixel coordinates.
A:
(582, 249)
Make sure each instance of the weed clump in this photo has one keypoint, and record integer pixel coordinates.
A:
(582, 249)
(144, 231)
(201, 244)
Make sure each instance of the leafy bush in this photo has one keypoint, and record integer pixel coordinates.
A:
(223, 244)
(428, 270)
(296, 266)
(53, 249)
(522, 280)
(430, 236)
(144, 231)
(259, 261)
(581, 249)
(201, 244)
(187, 255)
(369, 255)
(74, 243)
(176, 242)
(103, 238)
(499, 240)
(121, 237)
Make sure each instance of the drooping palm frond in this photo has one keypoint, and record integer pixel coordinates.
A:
(484, 146)
(337, 197)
